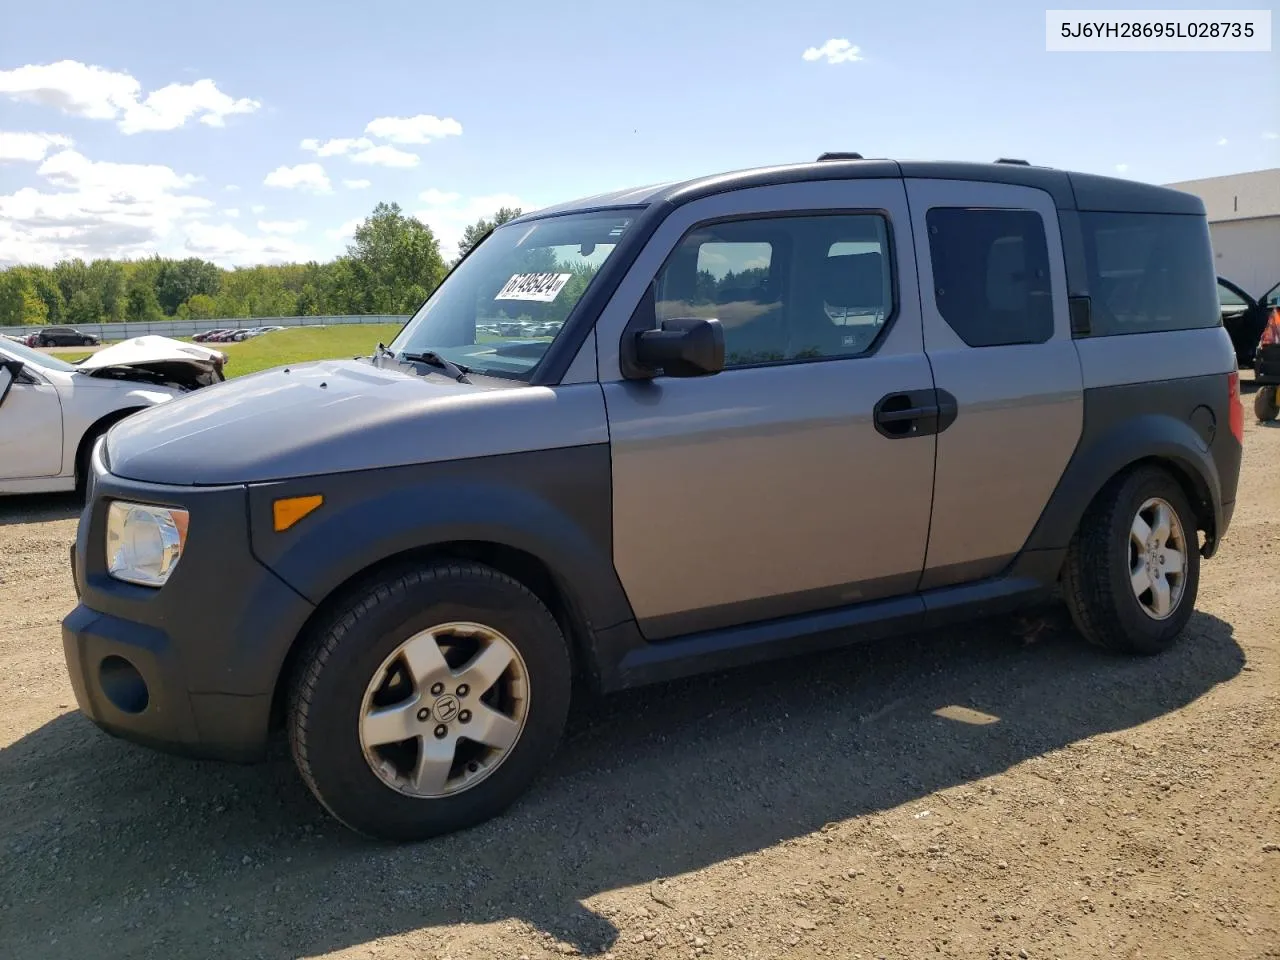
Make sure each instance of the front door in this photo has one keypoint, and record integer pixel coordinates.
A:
(30, 429)
(771, 488)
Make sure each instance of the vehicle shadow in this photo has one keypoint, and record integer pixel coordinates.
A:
(112, 850)
(38, 508)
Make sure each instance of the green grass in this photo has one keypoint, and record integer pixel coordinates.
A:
(299, 344)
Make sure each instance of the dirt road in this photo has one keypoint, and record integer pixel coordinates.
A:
(995, 791)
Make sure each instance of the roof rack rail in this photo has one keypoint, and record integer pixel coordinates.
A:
(1021, 163)
(839, 155)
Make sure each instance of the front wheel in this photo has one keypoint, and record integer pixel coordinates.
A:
(430, 701)
(1266, 405)
(1133, 567)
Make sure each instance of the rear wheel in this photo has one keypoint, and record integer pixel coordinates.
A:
(430, 702)
(1133, 568)
(1266, 405)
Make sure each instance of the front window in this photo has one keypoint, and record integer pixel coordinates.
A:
(500, 310)
(34, 357)
(784, 288)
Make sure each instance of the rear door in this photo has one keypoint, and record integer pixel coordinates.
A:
(769, 489)
(997, 333)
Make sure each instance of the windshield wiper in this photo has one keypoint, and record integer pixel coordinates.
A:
(454, 370)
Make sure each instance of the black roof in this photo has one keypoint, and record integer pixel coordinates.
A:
(1070, 191)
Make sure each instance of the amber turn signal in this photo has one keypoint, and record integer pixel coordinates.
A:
(290, 510)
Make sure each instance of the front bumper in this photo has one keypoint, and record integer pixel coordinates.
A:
(190, 667)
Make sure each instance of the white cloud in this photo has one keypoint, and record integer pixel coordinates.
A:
(357, 184)
(170, 107)
(1223, 141)
(344, 230)
(96, 210)
(29, 147)
(228, 245)
(385, 156)
(70, 169)
(282, 226)
(337, 147)
(834, 51)
(231, 188)
(304, 176)
(96, 93)
(448, 214)
(231, 212)
(257, 208)
(1271, 135)
(1122, 167)
(420, 129)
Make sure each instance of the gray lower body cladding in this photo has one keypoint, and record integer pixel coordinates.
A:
(1183, 422)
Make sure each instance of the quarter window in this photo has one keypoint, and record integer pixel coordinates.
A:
(784, 288)
(1150, 273)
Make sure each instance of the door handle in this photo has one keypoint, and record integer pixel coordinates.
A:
(908, 413)
(914, 413)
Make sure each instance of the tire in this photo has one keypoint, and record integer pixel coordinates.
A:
(83, 454)
(1096, 577)
(1266, 407)
(331, 688)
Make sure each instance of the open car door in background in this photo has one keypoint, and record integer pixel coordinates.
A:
(1244, 317)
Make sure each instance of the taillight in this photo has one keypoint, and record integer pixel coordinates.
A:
(1235, 408)
(1271, 335)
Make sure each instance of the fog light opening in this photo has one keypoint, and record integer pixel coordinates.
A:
(123, 685)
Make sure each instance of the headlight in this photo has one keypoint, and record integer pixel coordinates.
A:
(144, 543)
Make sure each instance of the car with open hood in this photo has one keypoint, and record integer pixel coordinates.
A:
(52, 411)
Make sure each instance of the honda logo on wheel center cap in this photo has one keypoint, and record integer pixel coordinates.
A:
(446, 708)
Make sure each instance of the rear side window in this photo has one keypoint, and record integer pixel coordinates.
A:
(991, 274)
(1149, 273)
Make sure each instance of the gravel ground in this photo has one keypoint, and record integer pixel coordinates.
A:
(994, 791)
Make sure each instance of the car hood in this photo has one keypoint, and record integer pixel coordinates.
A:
(157, 359)
(343, 415)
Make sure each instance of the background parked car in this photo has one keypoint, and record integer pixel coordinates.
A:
(65, 337)
(209, 334)
(1245, 318)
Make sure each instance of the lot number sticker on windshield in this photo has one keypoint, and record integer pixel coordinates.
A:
(542, 287)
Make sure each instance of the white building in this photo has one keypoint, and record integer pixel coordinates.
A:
(1244, 221)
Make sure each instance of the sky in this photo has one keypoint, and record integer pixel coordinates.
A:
(264, 132)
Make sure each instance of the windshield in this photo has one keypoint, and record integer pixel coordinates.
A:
(34, 357)
(505, 304)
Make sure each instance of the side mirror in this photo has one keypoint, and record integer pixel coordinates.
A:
(10, 370)
(683, 347)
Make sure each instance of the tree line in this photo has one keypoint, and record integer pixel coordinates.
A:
(391, 266)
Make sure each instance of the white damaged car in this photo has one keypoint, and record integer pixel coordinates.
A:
(51, 411)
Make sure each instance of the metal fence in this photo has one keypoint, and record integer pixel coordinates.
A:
(187, 328)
